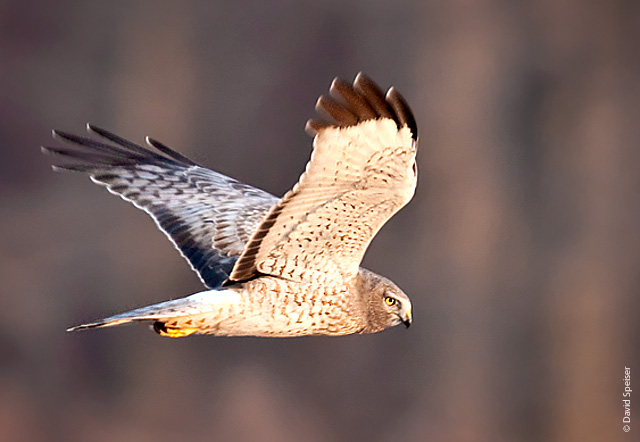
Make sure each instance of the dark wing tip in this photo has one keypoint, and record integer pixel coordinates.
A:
(314, 126)
(362, 100)
(404, 116)
(58, 134)
(335, 111)
(106, 149)
(169, 152)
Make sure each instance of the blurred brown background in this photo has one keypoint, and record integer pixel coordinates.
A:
(520, 249)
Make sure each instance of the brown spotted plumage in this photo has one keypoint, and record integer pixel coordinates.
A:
(274, 267)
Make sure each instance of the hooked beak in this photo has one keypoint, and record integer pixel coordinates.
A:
(407, 319)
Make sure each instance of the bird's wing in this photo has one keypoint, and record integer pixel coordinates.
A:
(208, 217)
(362, 171)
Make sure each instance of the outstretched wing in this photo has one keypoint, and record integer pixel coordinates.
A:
(362, 171)
(209, 217)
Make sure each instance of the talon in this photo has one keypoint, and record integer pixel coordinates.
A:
(173, 332)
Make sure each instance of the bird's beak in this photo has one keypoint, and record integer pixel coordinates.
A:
(407, 319)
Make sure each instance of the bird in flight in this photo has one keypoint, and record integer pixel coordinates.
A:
(273, 266)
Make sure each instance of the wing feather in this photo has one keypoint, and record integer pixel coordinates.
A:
(208, 217)
(361, 172)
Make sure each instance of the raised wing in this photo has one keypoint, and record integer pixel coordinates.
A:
(362, 171)
(208, 217)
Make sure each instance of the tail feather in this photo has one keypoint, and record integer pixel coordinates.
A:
(107, 322)
(150, 313)
(167, 315)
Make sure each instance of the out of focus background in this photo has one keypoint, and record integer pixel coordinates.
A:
(520, 249)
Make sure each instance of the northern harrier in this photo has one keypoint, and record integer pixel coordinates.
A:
(273, 267)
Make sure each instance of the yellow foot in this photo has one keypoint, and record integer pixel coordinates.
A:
(173, 332)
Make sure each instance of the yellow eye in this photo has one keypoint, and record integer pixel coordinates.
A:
(389, 300)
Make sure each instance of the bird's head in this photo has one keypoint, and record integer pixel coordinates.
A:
(385, 303)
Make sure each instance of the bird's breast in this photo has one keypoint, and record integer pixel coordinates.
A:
(289, 308)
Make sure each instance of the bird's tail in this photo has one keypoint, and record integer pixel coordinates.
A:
(177, 318)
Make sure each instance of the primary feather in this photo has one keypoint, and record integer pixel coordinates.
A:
(208, 216)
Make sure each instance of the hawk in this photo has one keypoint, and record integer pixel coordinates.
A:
(273, 266)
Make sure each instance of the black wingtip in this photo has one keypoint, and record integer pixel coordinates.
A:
(402, 110)
(104, 149)
(169, 152)
(57, 134)
(362, 100)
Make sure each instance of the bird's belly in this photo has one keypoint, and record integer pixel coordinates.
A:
(278, 308)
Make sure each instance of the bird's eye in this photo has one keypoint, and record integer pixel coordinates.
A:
(389, 300)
